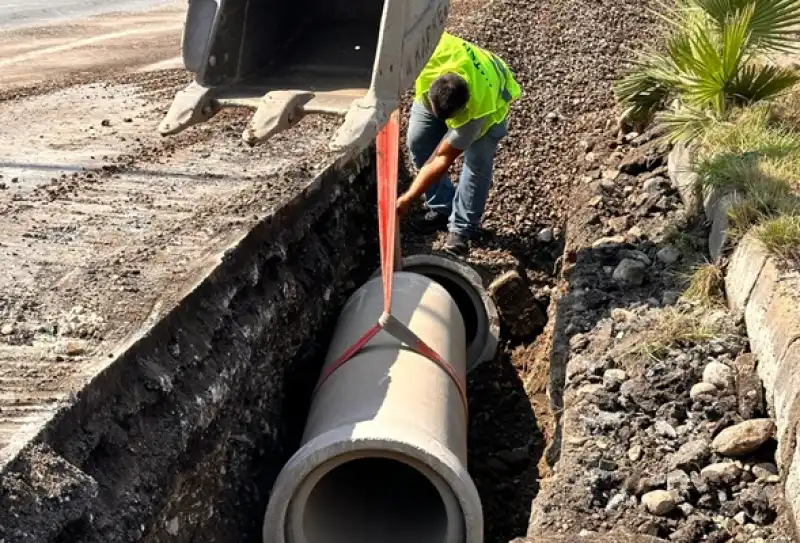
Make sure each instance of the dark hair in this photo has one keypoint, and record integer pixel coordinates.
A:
(448, 94)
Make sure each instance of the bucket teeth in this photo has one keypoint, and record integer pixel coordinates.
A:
(278, 111)
(361, 125)
(193, 105)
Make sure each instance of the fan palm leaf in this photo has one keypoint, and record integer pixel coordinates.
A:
(773, 26)
(754, 83)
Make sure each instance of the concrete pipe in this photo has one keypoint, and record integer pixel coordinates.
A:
(384, 454)
(481, 319)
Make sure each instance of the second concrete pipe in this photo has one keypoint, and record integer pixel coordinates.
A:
(384, 453)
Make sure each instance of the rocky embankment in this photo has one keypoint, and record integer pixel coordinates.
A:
(664, 426)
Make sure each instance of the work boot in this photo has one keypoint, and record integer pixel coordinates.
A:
(429, 223)
(456, 244)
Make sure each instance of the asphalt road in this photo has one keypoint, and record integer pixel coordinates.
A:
(23, 13)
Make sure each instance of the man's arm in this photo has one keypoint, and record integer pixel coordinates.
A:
(433, 170)
(440, 161)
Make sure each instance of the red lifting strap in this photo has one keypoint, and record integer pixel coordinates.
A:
(388, 147)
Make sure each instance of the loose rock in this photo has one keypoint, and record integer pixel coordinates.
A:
(702, 389)
(607, 242)
(545, 235)
(726, 473)
(668, 255)
(744, 438)
(756, 505)
(652, 185)
(670, 297)
(614, 377)
(664, 429)
(659, 502)
(679, 483)
(630, 272)
(719, 375)
(764, 470)
(637, 255)
(75, 348)
(691, 455)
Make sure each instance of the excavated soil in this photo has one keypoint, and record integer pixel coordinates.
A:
(107, 235)
(646, 380)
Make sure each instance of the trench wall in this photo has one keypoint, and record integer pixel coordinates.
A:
(181, 438)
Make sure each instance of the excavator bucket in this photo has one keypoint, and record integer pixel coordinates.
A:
(290, 58)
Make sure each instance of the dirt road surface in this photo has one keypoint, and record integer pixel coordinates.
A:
(103, 224)
(18, 13)
(59, 52)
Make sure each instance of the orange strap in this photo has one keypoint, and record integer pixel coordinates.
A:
(388, 148)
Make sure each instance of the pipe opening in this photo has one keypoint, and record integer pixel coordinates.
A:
(372, 500)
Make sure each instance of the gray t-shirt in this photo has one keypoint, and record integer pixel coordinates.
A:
(463, 136)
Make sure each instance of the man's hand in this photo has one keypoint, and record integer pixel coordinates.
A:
(428, 175)
(403, 205)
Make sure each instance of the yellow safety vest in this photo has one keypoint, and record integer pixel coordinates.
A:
(492, 87)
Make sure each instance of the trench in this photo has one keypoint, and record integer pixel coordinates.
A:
(505, 442)
(183, 437)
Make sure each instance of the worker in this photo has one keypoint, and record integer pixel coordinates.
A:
(461, 102)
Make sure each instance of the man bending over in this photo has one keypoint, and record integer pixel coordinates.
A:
(461, 103)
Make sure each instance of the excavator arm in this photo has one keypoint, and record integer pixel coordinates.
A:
(290, 58)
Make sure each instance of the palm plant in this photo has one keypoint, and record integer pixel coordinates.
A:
(710, 62)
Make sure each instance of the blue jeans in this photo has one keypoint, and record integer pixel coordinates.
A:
(464, 204)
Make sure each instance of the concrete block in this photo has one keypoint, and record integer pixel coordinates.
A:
(784, 396)
(778, 330)
(792, 482)
(744, 269)
(683, 178)
(755, 315)
(718, 215)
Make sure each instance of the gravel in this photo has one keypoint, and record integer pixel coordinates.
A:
(565, 55)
